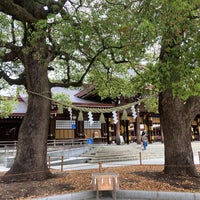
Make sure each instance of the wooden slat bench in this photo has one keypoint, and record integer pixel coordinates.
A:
(105, 182)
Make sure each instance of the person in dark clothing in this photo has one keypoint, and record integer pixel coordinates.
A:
(144, 140)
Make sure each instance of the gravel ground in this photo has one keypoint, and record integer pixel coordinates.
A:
(135, 177)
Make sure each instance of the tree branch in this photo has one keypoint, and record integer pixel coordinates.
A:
(16, 11)
(195, 102)
(123, 60)
(67, 84)
(16, 52)
(18, 81)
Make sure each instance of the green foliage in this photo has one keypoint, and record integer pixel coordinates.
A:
(105, 39)
(170, 32)
(7, 107)
(62, 99)
(111, 80)
(4, 28)
(151, 104)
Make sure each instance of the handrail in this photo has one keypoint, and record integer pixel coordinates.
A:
(66, 142)
(50, 143)
(8, 143)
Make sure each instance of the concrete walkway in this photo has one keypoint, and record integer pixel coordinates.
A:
(130, 194)
(153, 155)
(127, 195)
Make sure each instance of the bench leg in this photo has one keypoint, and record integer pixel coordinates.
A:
(114, 189)
(97, 191)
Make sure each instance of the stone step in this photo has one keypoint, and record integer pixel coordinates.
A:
(117, 153)
(122, 158)
(110, 160)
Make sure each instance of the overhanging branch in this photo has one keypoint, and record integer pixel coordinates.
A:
(15, 52)
(16, 11)
(10, 81)
(192, 105)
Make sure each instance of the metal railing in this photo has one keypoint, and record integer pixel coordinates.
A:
(50, 143)
(66, 142)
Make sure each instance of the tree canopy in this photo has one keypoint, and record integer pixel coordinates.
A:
(51, 43)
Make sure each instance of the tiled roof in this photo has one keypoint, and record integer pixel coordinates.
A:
(76, 101)
(85, 92)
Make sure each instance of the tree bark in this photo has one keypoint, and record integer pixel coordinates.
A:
(31, 156)
(176, 125)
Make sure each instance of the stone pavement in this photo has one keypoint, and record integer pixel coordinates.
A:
(153, 155)
(127, 195)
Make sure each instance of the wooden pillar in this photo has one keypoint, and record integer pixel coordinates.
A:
(145, 122)
(198, 126)
(80, 129)
(150, 128)
(107, 127)
(162, 135)
(138, 126)
(118, 129)
(52, 127)
(127, 131)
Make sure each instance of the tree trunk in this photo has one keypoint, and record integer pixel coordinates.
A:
(31, 157)
(176, 125)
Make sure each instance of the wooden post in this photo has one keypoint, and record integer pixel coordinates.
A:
(100, 167)
(49, 162)
(138, 126)
(114, 188)
(117, 125)
(127, 131)
(140, 158)
(62, 161)
(97, 190)
(199, 156)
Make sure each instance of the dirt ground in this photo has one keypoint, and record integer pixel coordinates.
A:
(145, 177)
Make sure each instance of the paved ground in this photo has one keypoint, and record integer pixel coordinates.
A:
(153, 155)
(154, 158)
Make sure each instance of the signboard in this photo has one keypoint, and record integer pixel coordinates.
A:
(73, 126)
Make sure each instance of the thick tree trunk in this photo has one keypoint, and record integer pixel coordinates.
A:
(176, 125)
(30, 161)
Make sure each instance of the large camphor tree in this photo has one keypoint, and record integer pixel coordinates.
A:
(36, 37)
(175, 73)
(172, 29)
(166, 36)
(25, 50)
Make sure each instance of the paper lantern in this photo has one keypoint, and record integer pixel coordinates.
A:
(115, 118)
(102, 119)
(80, 116)
(90, 118)
(134, 114)
(124, 115)
(60, 109)
(70, 113)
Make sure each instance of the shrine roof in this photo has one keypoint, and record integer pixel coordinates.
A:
(21, 108)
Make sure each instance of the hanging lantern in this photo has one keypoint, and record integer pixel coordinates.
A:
(90, 118)
(102, 119)
(134, 114)
(115, 118)
(124, 115)
(80, 116)
(60, 109)
(70, 113)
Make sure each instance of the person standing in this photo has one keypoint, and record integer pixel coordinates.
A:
(144, 140)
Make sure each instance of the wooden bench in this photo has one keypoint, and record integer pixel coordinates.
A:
(105, 182)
